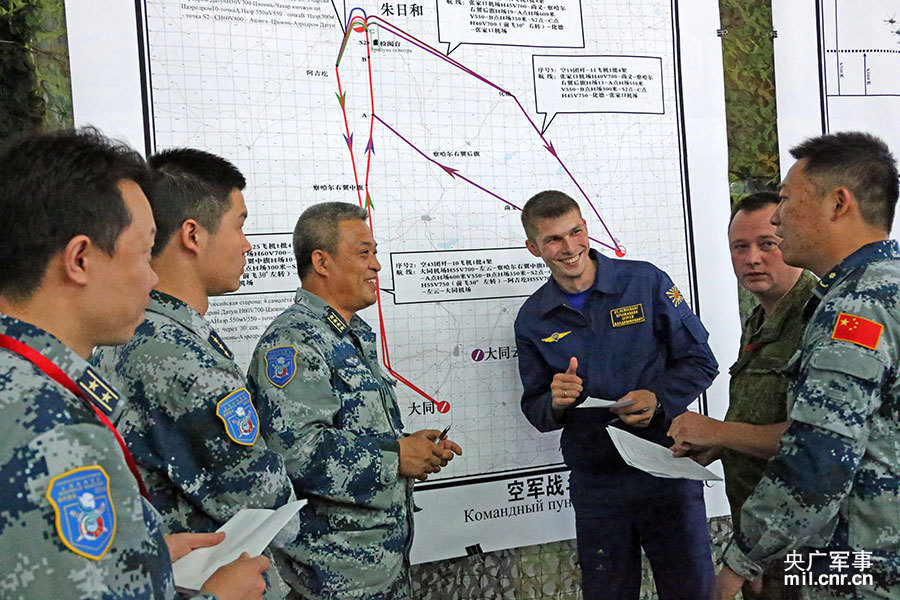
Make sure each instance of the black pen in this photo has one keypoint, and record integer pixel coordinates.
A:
(443, 435)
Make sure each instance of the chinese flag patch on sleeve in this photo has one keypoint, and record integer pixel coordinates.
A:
(850, 328)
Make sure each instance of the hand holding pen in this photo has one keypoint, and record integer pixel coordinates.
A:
(449, 447)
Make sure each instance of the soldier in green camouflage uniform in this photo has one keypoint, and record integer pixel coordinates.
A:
(333, 415)
(833, 488)
(757, 408)
(758, 395)
(190, 421)
(73, 523)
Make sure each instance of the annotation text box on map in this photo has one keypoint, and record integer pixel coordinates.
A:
(453, 275)
(593, 84)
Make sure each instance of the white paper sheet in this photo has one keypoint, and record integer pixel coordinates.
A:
(250, 531)
(657, 460)
(590, 402)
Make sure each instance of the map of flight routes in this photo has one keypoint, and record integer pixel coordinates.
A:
(837, 67)
(441, 118)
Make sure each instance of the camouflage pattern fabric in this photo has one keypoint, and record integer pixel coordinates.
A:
(333, 416)
(758, 395)
(191, 425)
(72, 521)
(834, 485)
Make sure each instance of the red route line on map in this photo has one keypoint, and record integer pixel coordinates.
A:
(441, 405)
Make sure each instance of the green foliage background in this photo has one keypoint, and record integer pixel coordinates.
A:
(36, 94)
(748, 59)
(749, 64)
(34, 66)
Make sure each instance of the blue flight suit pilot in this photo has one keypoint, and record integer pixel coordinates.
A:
(634, 331)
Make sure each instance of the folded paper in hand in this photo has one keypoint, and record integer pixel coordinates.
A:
(655, 459)
(250, 531)
(590, 402)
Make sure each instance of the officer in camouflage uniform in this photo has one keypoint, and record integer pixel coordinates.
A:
(757, 409)
(833, 488)
(334, 417)
(190, 421)
(72, 520)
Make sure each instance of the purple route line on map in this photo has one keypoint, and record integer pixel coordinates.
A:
(547, 144)
(450, 170)
(455, 173)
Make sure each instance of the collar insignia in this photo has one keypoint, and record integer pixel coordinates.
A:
(220, 346)
(101, 393)
(336, 321)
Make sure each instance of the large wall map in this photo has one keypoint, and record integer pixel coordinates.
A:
(441, 118)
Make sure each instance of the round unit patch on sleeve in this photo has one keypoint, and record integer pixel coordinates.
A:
(85, 515)
(239, 415)
(281, 364)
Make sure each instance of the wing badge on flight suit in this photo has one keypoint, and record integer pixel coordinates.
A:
(281, 364)
(85, 515)
(239, 415)
(556, 336)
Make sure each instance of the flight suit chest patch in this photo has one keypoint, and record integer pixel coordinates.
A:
(627, 315)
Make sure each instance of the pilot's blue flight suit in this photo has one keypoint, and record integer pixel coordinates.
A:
(635, 331)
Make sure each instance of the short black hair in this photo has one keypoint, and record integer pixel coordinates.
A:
(190, 184)
(53, 187)
(549, 204)
(753, 203)
(318, 228)
(859, 162)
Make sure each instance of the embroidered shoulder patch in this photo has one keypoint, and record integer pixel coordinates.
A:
(850, 328)
(281, 365)
(239, 415)
(85, 515)
(556, 336)
(675, 295)
(627, 315)
(98, 390)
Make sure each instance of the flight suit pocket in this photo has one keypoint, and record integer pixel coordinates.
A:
(693, 324)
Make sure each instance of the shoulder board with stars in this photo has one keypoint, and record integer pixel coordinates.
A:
(220, 346)
(98, 391)
(336, 321)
